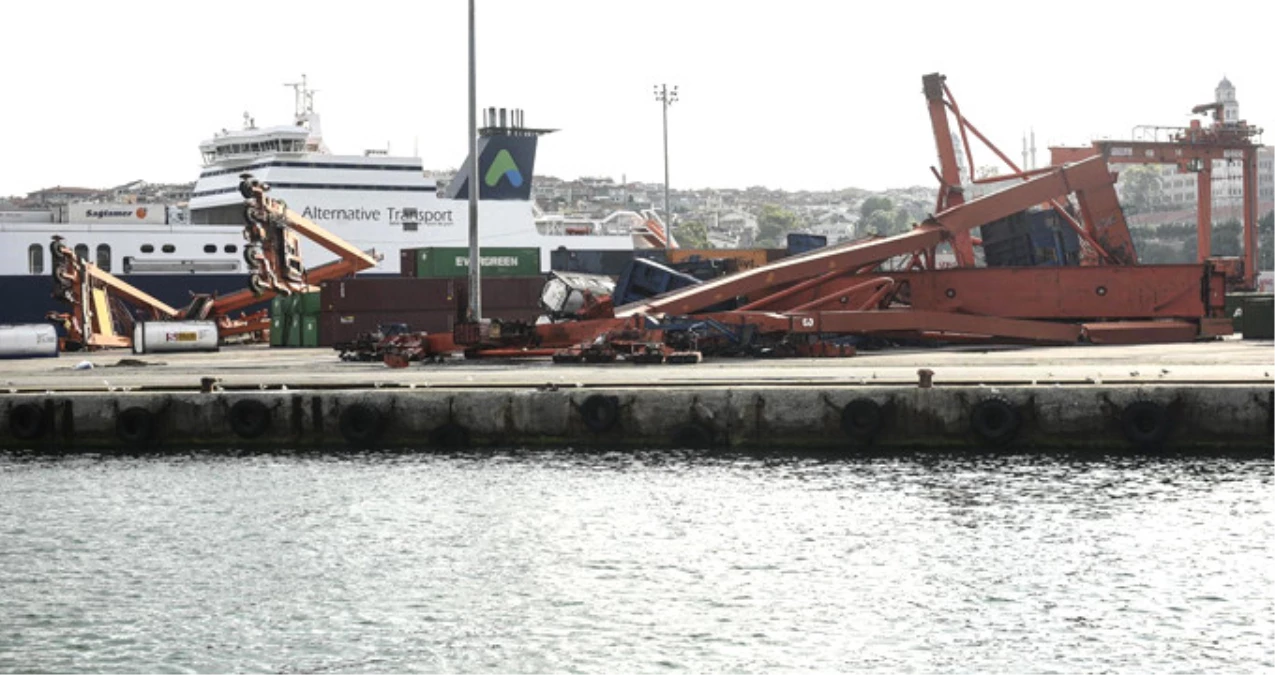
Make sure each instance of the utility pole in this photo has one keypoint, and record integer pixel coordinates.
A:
(475, 264)
(666, 97)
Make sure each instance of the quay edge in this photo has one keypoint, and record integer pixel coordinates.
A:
(1167, 418)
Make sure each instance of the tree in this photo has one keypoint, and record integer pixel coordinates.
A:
(1140, 188)
(692, 234)
(1225, 238)
(1266, 241)
(773, 224)
(873, 204)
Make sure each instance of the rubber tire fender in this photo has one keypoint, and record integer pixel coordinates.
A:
(135, 426)
(360, 423)
(249, 418)
(995, 421)
(27, 421)
(1145, 423)
(861, 419)
(600, 412)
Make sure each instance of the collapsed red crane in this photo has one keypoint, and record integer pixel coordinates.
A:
(98, 316)
(817, 299)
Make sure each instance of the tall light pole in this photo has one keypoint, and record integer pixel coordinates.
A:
(666, 97)
(475, 264)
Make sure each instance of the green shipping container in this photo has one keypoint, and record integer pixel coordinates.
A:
(293, 331)
(310, 331)
(436, 262)
(1258, 322)
(277, 328)
(277, 307)
(310, 304)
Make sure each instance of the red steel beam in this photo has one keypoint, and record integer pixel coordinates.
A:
(1141, 332)
(1136, 291)
(1090, 175)
(938, 322)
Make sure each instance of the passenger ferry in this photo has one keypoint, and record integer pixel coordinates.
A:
(375, 201)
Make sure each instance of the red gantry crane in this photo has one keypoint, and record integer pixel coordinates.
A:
(1194, 149)
(99, 316)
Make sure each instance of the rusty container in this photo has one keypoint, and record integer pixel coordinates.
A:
(745, 258)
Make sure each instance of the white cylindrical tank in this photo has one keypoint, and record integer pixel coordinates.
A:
(28, 341)
(150, 337)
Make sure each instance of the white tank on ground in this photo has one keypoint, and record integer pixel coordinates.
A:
(150, 337)
(28, 341)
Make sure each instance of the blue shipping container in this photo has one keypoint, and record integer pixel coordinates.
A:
(800, 243)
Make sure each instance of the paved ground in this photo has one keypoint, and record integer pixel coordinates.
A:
(1218, 362)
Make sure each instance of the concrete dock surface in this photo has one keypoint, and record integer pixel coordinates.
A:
(1214, 397)
(1231, 361)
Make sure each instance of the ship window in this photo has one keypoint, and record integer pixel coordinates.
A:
(210, 248)
(168, 248)
(82, 251)
(35, 259)
(104, 257)
(231, 248)
(148, 248)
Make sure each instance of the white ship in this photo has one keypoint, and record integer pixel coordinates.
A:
(375, 201)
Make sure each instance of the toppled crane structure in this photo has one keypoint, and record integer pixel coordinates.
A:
(823, 302)
(100, 316)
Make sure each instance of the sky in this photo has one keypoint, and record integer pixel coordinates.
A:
(803, 94)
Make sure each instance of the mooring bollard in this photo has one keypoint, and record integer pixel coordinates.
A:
(927, 378)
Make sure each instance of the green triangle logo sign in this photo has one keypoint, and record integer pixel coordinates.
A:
(503, 165)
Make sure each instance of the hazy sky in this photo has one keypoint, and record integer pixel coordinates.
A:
(803, 94)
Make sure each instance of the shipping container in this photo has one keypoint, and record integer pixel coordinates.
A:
(1030, 238)
(745, 258)
(118, 214)
(451, 262)
(1258, 321)
(400, 294)
(386, 293)
(310, 331)
(608, 262)
(800, 243)
(309, 303)
(338, 327)
(292, 332)
(278, 329)
(645, 279)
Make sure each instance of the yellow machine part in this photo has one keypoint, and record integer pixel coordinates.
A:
(103, 327)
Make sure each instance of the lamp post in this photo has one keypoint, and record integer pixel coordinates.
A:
(666, 97)
(475, 275)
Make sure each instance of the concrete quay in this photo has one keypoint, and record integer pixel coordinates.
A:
(1213, 397)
